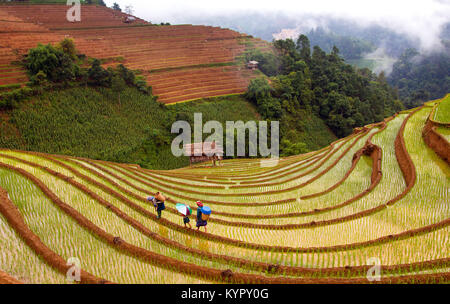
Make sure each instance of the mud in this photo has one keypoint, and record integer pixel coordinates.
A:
(436, 141)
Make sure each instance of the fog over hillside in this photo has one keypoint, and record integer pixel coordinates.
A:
(418, 19)
(389, 27)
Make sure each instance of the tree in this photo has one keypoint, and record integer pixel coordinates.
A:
(54, 63)
(68, 47)
(334, 56)
(40, 81)
(129, 9)
(289, 54)
(260, 93)
(98, 76)
(258, 89)
(304, 47)
(127, 75)
(288, 148)
(269, 108)
(421, 77)
(157, 138)
(324, 85)
(141, 84)
(116, 7)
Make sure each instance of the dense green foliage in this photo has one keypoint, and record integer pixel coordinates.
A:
(90, 122)
(421, 77)
(323, 85)
(52, 63)
(11, 99)
(269, 63)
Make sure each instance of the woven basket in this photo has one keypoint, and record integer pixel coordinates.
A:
(160, 198)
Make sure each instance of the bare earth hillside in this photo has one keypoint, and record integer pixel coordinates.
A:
(181, 62)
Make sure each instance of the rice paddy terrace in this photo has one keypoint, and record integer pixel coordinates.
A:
(182, 62)
(322, 217)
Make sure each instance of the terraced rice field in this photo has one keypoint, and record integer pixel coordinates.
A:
(323, 217)
(442, 113)
(444, 132)
(442, 118)
(181, 62)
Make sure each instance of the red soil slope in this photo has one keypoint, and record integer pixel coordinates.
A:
(180, 62)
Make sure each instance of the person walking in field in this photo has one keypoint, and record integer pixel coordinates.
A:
(158, 202)
(185, 211)
(187, 221)
(201, 222)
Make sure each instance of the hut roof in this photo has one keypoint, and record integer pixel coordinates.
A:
(205, 148)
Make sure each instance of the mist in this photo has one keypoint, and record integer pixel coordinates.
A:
(422, 20)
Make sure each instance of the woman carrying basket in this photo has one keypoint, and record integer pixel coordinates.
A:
(202, 216)
(158, 202)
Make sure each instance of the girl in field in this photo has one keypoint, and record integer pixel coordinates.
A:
(187, 221)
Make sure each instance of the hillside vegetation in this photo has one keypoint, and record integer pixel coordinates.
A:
(322, 84)
(111, 114)
(420, 77)
(90, 122)
(314, 96)
(379, 196)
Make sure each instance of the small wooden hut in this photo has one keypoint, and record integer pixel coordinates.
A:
(205, 151)
(252, 65)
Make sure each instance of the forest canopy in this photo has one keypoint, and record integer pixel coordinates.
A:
(421, 77)
(323, 85)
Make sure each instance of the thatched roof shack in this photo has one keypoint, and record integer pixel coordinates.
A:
(253, 65)
(205, 151)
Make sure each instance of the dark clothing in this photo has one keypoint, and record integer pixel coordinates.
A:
(160, 206)
(186, 220)
(201, 223)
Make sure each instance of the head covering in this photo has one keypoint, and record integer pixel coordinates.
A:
(200, 204)
(150, 198)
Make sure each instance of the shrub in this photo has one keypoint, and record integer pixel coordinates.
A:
(53, 62)
(141, 85)
(259, 92)
(127, 75)
(98, 76)
(68, 47)
(10, 100)
(288, 148)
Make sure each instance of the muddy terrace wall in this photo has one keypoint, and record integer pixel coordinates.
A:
(436, 141)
